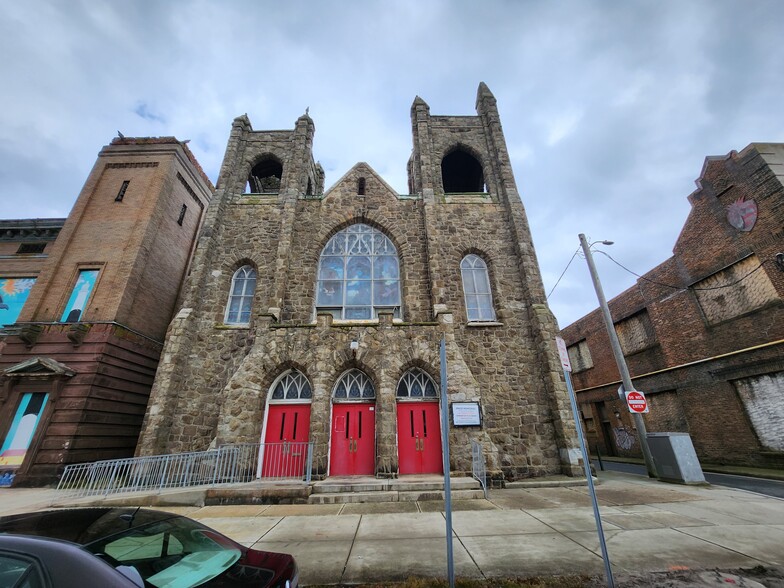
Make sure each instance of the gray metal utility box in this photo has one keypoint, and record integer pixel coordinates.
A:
(675, 458)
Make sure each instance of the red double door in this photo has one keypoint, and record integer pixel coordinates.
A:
(286, 441)
(419, 438)
(353, 442)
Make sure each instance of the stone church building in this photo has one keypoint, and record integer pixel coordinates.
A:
(316, 315)
(166, 315)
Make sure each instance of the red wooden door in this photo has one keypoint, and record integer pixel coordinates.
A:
(285, 442)
(353, 451)
(419, 438)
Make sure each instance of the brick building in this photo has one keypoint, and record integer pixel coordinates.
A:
(86, 303)
(702, 333)
(312, 315)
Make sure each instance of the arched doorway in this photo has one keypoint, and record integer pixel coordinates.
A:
(287, 427)
(353, 433)
(418, 425)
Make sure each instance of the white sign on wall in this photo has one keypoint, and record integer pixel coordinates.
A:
(466, 414)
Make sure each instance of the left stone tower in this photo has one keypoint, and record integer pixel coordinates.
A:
(263, 176)
(79, 360)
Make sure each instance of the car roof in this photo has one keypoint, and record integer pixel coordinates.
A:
(80, 525)
(54, 558)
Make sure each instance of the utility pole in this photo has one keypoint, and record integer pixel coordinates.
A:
(615, 344)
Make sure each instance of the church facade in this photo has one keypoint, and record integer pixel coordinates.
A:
(316, 316)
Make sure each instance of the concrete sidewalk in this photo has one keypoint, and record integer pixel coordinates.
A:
(649, 526)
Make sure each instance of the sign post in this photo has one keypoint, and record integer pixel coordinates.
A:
(450, 560)
(567, 368)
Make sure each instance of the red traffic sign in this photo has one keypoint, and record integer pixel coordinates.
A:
(636, 402)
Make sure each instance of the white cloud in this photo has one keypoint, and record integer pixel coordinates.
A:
(608, 109)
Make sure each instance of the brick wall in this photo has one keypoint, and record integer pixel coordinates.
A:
(710, 344)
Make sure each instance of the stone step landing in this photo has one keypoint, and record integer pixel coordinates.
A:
(345, 489)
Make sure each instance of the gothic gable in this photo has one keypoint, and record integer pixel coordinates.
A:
(361, 180)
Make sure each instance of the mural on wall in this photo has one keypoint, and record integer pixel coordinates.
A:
(79, 296)
(19, 436)
(13, 293)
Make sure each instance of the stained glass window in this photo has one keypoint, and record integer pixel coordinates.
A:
(354, 385)
(358, 275)
(293, 386)
(476, 287)
(415, 383)
(243, 285)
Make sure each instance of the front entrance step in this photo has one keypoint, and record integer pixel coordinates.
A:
(390, 496)
(351, 489)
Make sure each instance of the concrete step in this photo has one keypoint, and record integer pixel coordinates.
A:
(351, 497)
(416, 496)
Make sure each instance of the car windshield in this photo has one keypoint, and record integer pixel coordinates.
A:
(173, 553)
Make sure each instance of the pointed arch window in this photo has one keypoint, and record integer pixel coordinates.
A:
(461, 172)
(243, 286)
(416, 383)
(354, 385)
(358, 275)
(292, 386)
(476, 288)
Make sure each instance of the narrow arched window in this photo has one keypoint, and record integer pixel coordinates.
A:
(416, 383)
(361, 187)
(243, 285)
(359, 275)
(354, 385)
(291, 386)
(476, 287)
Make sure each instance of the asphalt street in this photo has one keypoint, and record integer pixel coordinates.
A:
(773, 488)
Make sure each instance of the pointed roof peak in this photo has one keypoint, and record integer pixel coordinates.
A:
(483, 91)
(419, 102)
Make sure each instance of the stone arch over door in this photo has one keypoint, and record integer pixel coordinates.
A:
(286, 427)
(353, 425)
(418, 424)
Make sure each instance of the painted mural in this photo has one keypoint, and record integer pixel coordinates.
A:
(19, 436)
(13, 293)
(79, 296)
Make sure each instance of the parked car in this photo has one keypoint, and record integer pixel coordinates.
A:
(130, 547)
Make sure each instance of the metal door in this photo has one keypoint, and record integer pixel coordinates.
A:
(285, 442)
(419, 438)
(353, 451)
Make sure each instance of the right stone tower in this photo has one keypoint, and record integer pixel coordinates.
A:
(315, 316)
(474, 219)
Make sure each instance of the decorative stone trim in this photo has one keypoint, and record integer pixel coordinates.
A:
(131, 165)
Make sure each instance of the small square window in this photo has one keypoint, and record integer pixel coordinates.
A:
(31, 248)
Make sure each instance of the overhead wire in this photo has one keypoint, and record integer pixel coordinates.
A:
(623, 267)
(563, 272)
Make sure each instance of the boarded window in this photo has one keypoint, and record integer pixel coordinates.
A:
(580, 356)
(734, 291)
(761, 396)
(636, 333)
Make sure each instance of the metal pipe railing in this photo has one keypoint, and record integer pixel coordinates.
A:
(478, 467)
(228, 464)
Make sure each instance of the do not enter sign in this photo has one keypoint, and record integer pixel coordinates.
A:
(636, 401)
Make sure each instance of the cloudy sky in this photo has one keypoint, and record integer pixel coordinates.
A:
(609, 108)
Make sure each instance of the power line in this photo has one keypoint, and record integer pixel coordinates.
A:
(563, 272)
(738, 281)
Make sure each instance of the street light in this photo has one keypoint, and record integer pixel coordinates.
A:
(615, 344)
